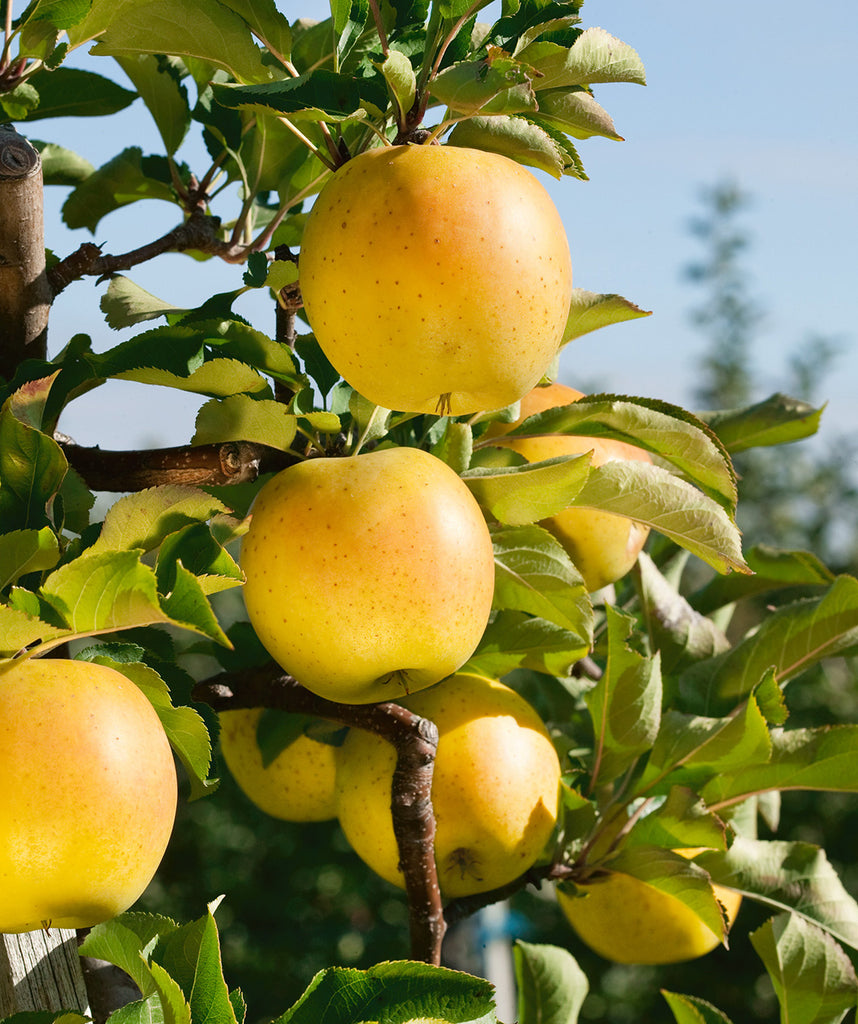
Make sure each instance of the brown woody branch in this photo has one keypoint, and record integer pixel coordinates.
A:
(232, 462)
(200, 231)
(415, 740)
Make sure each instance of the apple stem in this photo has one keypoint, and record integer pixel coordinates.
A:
(415, 740)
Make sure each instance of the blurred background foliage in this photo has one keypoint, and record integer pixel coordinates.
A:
(297, 899)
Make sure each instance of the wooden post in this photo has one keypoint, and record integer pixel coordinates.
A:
(25, 295)
(41, 970)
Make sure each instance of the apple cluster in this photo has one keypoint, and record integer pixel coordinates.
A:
(437, 280)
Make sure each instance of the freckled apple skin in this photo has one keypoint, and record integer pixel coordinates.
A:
(368, 577)
(298, 785)
(629, 922)
(603, 546)
(436, 278)
(494, 789)
(89, 794)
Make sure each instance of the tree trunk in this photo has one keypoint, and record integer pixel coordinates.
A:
(41, 970)
(25, 295)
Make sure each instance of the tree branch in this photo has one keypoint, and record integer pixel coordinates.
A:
(25, 296)
(232, 462)
(415, 740)
(200, 231)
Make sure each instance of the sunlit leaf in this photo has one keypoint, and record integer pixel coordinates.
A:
(551, 986)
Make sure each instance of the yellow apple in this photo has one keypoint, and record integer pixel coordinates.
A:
(368, 577)
(603, 546)
(298, 785)
(625, 920)
(88, 797)
(494, 788)
(437, 279)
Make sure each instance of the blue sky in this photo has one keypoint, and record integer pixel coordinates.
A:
(763, 93)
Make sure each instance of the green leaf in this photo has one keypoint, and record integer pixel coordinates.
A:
(516, 640)
(124, 941)
(514, 137)
(595, 56)
(588, 311)
(691, 1010)
(813, 978)
(73, 92)
(681, 634)
(659, 499)
(796, 877)
(392, 993)
(778, 419)
(32, 465)
(200, 553)
(181, 28)
(455, 446)
(241, 418)
(20, 629)
(125, 179)
(498, 86)
(625, 704)
(143, 519)
(824, 758)
(209, 997)
(534, 574)
(665, 430)
(25, 551)
(217, 377)
(575, 111)
(316, 363)
(772, 569)
(266, 22)
(125, 304)
(111, 590)
(682, 821)
(691, 748)
(551, 985)
(61, 166)
(174, 1005)
(791, 639)
(321, 95)
(158, 81)
(350, 18)
(59, 13)
(518, 495)
(401, 81)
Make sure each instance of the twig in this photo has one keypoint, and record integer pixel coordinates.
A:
(199, 231)
(232, 462)
(415, 740)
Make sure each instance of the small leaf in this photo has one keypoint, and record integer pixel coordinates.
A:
(778, 419)
(625, 704)
(143, 519)
(126, 303)
(455, 446)
(516, 640)
(401, 81)
(513, 137)
(25, 551)
(73, 92)
(691, 1010)
(122, 940)
(62, 166)
(588, 311)
(534, 574)
(551, 985)
(813, 978)
(575, 111)
(159, 83)
(242, 418)
(500, 86)
(595, 56)
(396, 993)
(792, 639)
(518, 495)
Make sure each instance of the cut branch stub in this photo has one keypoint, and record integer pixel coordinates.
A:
(25, 295)
(415, 740)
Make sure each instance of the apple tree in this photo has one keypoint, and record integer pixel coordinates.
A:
(451, 630)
